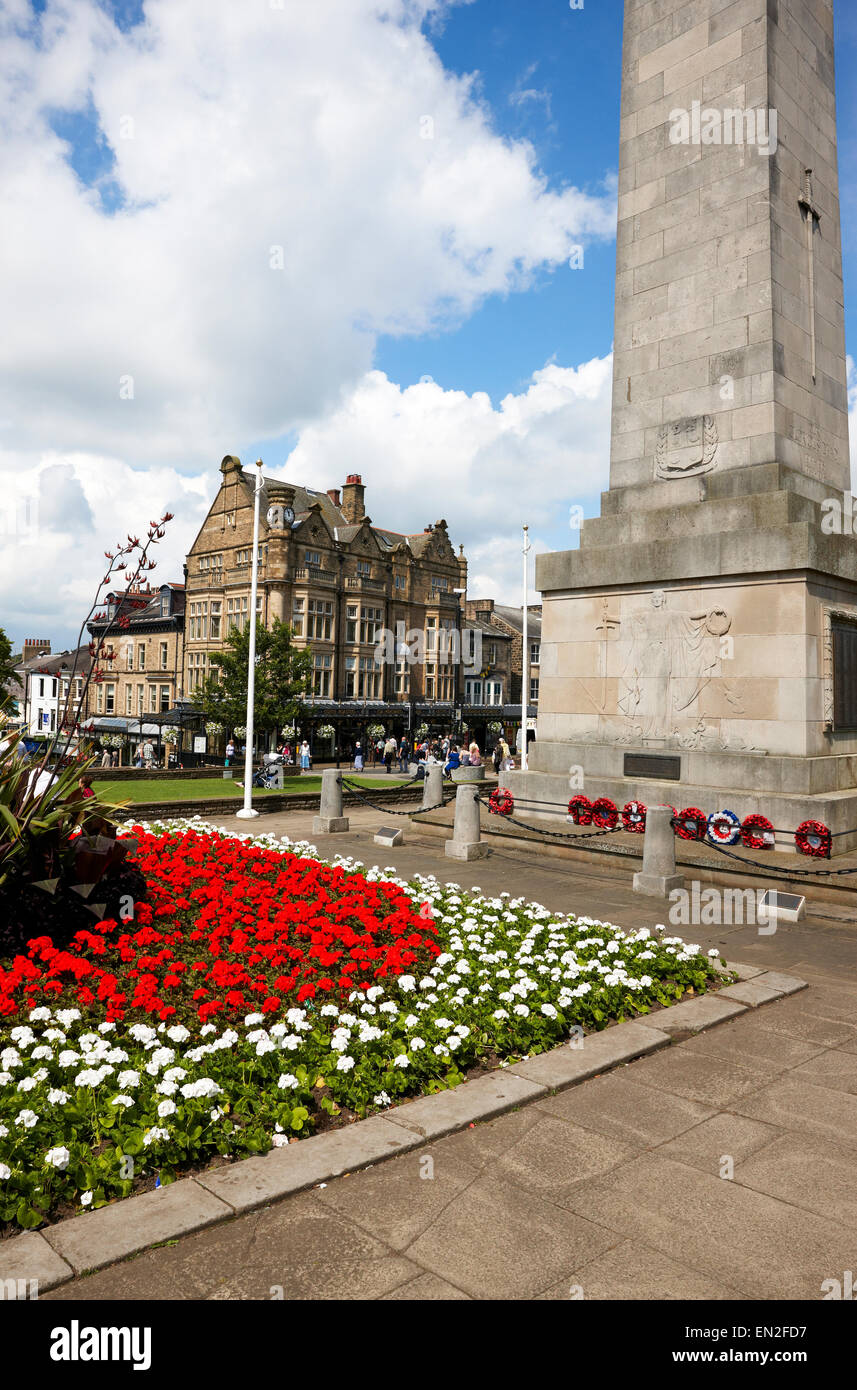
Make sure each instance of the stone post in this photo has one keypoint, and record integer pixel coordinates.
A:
(330, 818)
(433, 786)
(466, 842)
(658, 876)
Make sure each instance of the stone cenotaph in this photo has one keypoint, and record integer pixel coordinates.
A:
(700, 647)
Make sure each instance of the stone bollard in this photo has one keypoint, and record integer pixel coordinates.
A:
(466, 842)
(658, 877)
(330, 818)
(433, 786)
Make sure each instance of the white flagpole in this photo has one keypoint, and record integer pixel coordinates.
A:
(247, 812)
(525, 658)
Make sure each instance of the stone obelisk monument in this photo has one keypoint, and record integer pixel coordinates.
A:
(700, 647)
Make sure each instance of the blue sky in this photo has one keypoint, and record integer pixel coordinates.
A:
(148, 258)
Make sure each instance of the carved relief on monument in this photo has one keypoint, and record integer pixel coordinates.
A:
(668, 657)
(687, 447)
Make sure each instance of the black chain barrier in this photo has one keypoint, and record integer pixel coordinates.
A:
(785, 873)
(552, 834)
(387, 810)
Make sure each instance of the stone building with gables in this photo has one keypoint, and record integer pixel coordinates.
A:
(341, 581)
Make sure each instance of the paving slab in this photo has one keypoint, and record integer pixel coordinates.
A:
(618, 1107)
(433, 1116)
(791, 1018)
(555, 1156)
(836, 1069)
(793, 1104)
(254, 1181)
(398, 1200)
(596, 1052)
(694, 1014)
(496, 1241)
(111, 1233)
(810, 1173)
(29, 1256)
(747, 1045)
(636, 1272)
(713, 1081)
(723, 1136)
(428, 1288)
(762, 1247)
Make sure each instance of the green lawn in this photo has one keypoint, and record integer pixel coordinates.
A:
(209, 789)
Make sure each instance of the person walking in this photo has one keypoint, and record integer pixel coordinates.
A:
(106, 759)
(305, 758)
(230, 753)
(389, 753)
(358, 756)
(497, 756)
(404, 754)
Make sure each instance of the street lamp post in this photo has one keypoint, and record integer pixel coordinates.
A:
(525, 658)
(247, 811)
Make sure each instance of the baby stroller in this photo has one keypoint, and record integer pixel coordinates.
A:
(266, 775)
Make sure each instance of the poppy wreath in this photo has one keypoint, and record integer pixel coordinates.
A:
(634, 817)
(501, 802)
(757, 833)
(580, 810)
(604, 813)
(724, 828)
(813, 838)
(691, 824)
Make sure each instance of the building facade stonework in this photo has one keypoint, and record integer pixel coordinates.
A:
(341, 582)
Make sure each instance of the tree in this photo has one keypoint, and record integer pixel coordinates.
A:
(7, 668)
(283, 675)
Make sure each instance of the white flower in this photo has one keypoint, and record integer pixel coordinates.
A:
(344, 1063)
(407, 983)
(279, 1141)
(417, 1044)
(5, 1172)
(548, 1010)
(58, 1158)
(402, 1060)
(521, 1010)
(141, 1032)
(453, 1041)
(128, 1078)
(122, 1100)
(178, 1033)
(27, 1083)
(27, 1118)
(41, 1052)
(57, 1097)
(40, 1015)
(152, 1135)
(67, 1016)
(500, 1014)
(166, 1107)
(202, 1089)
(4, 1133)
(22, 1035)
(86, 1199)
(713, 952)
(381, 1099)
(287, 1082)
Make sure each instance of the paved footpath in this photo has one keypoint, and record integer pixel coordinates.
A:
(619, 1187)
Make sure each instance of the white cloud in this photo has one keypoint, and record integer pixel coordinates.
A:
(238, 128)
(424, 453)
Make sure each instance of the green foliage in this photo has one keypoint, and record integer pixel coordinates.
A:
(283, 674)
(7, 666)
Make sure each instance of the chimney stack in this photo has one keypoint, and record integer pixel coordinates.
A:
(333, 494)
(352, 499)
(35, 646)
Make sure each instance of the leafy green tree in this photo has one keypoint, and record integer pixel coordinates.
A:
(283, 676)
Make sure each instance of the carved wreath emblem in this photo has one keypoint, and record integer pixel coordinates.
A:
(686, 447)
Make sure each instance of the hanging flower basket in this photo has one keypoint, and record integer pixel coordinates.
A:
(604, 813)
(495, 728)
(813, 838)
(289, 731)
(213, 728)
(691, 824)
(325, 731)
(757, 833)
(240, 730)
(501, 802)
(580, 810)
(377, 730)
(170, 734)
(112, 740)
(724, 828)
(634, 817)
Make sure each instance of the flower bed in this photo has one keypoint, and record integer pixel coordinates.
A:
(263, 991)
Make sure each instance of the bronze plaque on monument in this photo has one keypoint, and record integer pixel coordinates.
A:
(652, 765)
